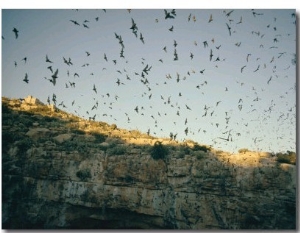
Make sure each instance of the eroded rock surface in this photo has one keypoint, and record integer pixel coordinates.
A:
(55, 178)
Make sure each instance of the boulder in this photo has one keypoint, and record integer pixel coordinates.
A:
(52, 107)
(32, 100)
(35, 124)
(63, 137)
(104, 144)
(36, 133)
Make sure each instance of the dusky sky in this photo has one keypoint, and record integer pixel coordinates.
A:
(237, 84)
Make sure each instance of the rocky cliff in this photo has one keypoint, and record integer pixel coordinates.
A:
(63, 172)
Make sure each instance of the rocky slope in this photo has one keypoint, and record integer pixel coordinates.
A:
(63, 172)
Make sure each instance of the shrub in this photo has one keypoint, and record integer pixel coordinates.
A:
(182, 151)
(289, 157)
(24, 145)
(291, 153)
(218, 152)
(158, 151)
(103, 147)
(84, 174)
(48, 119)
(197, 147)
(186, 150)
(99, 137)
(190, 141)
(78, 131)
(113, 126)
(8, 138)
(199, 154)
(135, 133)
(113, 141)
(171, 147)
(27, 121)
(129, 179)
(243, 150)
(5, 109)
(80, 145)
(117, 150)
(180, 154)
(69, 145)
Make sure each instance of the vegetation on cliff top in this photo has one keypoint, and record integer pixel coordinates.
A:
(19, 117)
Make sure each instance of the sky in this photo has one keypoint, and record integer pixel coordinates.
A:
(243, 96)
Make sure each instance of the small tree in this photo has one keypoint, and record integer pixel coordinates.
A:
(159, 151)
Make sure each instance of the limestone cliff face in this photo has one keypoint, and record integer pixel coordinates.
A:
(58, 173)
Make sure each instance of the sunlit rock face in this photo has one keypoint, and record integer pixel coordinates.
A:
(60, 174)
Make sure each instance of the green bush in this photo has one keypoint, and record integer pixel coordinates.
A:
(199, 154)
(78, 132)
(159, 151)
(117, 150)
(102, 147)
(186, 150)
(197, 147)
(8, 138)
(5, 109)
(27, 121)
(48, 119)
(99, 137)
(24, 145)
(81, 146)
(84, 175)
(182, 151)
(113, 141)
(288, 157)
(70, 145)
(181, 154)
(7, 121)
(129, 179)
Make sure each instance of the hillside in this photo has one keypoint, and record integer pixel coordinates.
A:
(60, 171)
